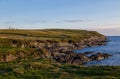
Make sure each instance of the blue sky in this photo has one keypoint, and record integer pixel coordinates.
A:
(99, 15)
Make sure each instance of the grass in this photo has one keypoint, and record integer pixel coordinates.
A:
(48, 69)
(42, 68)
(8, 54)
(58, 35)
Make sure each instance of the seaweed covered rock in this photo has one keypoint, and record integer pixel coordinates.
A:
(99, 56)
(71, 58)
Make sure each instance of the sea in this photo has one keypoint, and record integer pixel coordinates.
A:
(112, 47)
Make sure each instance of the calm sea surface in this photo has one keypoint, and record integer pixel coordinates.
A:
(112, 47)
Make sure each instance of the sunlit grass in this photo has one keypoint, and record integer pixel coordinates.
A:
(51, 34)
(48, 69)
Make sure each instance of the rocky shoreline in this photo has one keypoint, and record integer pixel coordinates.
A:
(61, 52)
(78, 58)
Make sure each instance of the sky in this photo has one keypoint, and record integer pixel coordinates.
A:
(99, 15)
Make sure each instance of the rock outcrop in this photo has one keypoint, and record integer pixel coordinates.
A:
(79, 58)
(62, 47)
(62, 52)
(99, 56)
(71, 58)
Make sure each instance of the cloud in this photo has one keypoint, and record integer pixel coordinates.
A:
(114, 24)
(35, 21)
(117, 16)
(24, 22)
(8, 22)
(77, 21)
(108, 29)
(110, 32)
(105, 26)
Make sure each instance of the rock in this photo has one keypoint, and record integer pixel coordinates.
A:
(99, 56)
(7, 58)
(80, 59)
(59, 51)
(71, 58)
(86, 53)
(77, 58)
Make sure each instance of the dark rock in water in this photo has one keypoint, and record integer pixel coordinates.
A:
(99, 56)
(78, 58)
(90, 52)
(71, 58)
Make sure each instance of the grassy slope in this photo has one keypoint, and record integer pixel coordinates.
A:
(18, 37)
(29, 68)
(56, 35)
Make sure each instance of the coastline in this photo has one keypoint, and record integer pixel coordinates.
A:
(23, 56)
(60, 51)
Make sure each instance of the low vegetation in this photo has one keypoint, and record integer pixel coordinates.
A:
(56, 35)
(48, 69)
(30, 64)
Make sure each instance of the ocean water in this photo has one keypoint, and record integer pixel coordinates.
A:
(112, 47)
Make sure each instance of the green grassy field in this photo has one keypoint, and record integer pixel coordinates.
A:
(58, 35)
(48, 69)
(29, 67)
